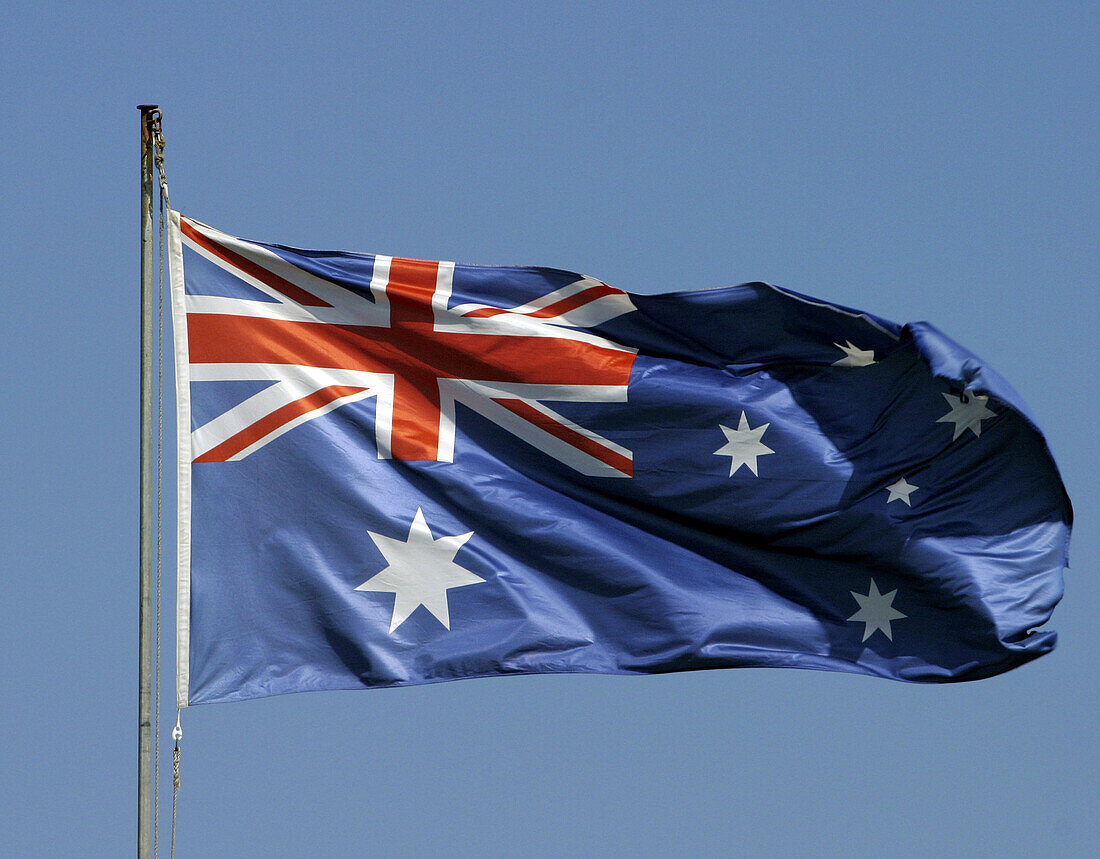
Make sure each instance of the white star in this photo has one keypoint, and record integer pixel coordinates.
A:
(854, 356)
(967, 412)
(421, 570)
(743, 445)
(901, 491)
(876, 611)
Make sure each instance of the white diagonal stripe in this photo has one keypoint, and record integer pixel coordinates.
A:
(479, 397)
(301, 419)
(594, 312)
(567, 291)
(293, 382)
(347, 307)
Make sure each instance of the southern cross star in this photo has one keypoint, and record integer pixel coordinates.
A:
(421, 570)
(900, 491)
(743, 445)
(967, 413)
(854, 356)
(876, 611)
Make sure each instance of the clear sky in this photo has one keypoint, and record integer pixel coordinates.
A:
(920, 161)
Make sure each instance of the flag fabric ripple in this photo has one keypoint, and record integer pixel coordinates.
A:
(394, 471)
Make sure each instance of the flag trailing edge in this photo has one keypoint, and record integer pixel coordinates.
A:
(395, 471)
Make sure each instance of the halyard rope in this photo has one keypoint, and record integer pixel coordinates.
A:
(159, 517)
(165, 207)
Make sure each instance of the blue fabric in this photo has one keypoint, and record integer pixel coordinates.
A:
(681, 566)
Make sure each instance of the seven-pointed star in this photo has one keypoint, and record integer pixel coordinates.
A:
(901, 491)
(967, 412)
(421, 570)
(854, 356)
(743, 445)
(876, 611)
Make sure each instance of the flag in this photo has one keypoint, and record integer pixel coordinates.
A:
(395, 471)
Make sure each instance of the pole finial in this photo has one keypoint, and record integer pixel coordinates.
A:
(150, 117)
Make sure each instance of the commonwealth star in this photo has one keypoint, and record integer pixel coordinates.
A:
(421, 570)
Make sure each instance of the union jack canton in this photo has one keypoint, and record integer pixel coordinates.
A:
(405, 341)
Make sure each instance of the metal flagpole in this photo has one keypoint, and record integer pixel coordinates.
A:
(145, 590)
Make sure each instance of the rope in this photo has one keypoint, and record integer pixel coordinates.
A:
(158, 520)
(158, 160)
(158, 157)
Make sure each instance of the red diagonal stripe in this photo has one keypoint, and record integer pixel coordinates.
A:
(551, 310)
(290, 290)
(574, 301)
(271, 422)
(571, 437)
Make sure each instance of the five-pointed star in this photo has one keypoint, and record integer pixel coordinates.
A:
(967, 412)
(743, 445)
(854, 356)
(901, 491)
(421, 570)
(876, 611)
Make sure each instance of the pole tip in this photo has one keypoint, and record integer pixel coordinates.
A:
(146, 108)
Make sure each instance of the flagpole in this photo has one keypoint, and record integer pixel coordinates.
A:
(145, 590)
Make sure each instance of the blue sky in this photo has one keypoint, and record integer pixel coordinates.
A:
(920, 161)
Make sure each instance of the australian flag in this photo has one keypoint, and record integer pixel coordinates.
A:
(395, 471)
